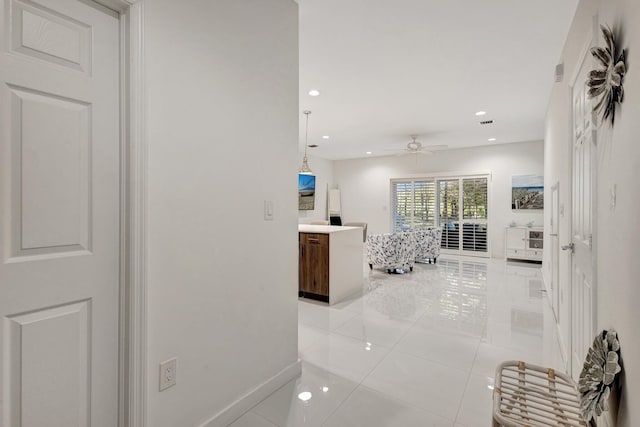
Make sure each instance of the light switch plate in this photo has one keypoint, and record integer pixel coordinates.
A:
(168, 373)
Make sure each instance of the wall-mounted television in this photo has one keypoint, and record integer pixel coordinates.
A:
(306, 192)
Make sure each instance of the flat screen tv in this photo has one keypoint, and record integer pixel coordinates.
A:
(306, 192)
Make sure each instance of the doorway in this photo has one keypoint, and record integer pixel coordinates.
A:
(582, 248)
(90, 282)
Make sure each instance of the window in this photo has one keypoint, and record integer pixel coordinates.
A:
(474, 209)
(413, 204)
(449, 191)
(459, 205)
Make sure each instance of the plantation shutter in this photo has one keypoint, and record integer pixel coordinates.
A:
(402, 205)
(450, 213)
(424, 209)
(475, 214)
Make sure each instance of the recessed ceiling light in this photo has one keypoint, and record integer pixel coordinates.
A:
(314, 92)
(369, 152)
(491, 139)
(305, 396)
(325, 137)
(479, 113)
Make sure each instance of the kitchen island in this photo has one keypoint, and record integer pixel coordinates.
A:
(330, 262)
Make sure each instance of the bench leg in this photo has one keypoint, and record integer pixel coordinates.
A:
(371, 266)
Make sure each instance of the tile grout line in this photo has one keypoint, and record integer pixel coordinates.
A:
(360, 383)
(467, 383)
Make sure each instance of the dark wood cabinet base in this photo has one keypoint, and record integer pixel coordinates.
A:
(323, 298)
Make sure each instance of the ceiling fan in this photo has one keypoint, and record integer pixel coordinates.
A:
(416, 147)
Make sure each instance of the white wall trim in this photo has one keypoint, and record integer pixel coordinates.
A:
(136, 292)
(133, 297)
(236, 409)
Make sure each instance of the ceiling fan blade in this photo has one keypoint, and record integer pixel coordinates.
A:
(436, 147)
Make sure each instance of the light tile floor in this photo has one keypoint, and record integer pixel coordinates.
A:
(418, 349)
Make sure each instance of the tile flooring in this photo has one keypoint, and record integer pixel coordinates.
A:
(418, 349)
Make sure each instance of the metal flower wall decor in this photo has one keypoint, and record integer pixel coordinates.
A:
(598, 374)
(607, 81)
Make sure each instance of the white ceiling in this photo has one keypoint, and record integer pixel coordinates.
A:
(386, 69)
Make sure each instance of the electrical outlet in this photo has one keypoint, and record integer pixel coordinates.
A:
(168, 374)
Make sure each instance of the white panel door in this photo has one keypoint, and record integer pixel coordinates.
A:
(59, 213)
(583, 301)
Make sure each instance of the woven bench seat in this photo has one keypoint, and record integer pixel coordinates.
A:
(527, 395)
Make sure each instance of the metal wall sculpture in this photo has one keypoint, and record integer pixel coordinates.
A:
(607, 82)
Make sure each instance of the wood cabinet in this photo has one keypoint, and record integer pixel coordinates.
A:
(331, 262)
(524, 243)
(314, 266)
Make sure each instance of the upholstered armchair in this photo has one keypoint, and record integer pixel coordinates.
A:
(391, 251)
(427, 243)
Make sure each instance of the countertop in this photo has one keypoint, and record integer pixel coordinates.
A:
(323, 229)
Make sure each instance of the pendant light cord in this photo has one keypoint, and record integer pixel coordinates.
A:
(305, 163)
(306, 132)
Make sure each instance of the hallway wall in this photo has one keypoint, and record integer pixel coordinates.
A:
(222, 128)
(618, 158)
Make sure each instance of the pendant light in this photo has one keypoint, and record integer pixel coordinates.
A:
(305, 163)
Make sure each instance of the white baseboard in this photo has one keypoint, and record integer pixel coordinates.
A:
(253, 397)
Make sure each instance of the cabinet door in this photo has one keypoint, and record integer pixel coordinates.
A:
(314, 263)
(516, 238)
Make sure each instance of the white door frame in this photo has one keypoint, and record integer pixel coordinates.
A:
(132, 399)
(585, 55)
(555, 250)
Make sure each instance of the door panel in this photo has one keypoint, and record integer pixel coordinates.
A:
(583, 312)
(59, 213)
(50, 385)
(51, 170)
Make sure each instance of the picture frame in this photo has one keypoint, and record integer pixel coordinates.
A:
(306, 192)
(527, 192)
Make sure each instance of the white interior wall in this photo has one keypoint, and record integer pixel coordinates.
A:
(222, 126)
(618, 228)
(323, 170)
(365, 183)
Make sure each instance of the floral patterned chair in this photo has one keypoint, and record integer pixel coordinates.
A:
(427, 243)
(391, 251)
